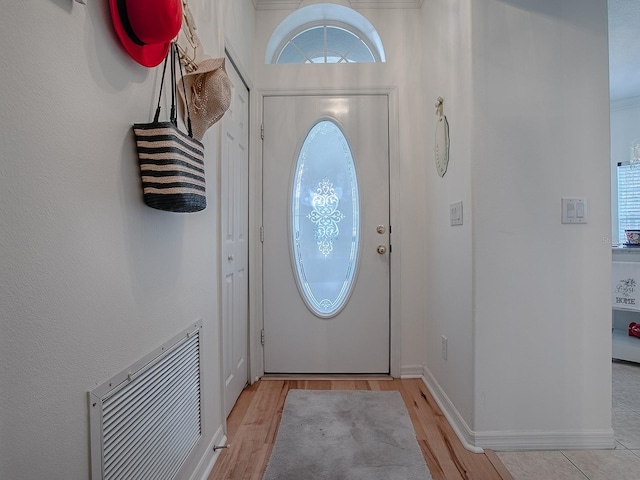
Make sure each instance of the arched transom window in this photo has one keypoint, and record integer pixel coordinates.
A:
(325, 33)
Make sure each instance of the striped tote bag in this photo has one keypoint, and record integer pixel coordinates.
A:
(171, 161)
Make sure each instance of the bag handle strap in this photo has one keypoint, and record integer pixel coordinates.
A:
(184, 91)
(174, 117)
(174, 54)
(164, 69)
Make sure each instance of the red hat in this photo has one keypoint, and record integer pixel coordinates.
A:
(146, 27)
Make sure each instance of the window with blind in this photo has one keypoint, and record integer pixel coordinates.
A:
(628, 198)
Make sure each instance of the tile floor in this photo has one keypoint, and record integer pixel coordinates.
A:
(623, 463)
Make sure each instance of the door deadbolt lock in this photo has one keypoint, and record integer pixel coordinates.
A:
(382, 249)
(381, 229)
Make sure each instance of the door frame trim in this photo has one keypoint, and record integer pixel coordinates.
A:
(229, 53)
(256, 317)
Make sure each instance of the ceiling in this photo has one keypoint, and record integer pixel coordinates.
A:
(624, 38)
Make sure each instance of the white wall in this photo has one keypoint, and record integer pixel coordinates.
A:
(448, 249)
(239, 32)
(92, 279)
(523, 300)
(542, 316)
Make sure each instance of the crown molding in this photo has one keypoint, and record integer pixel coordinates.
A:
(275, 4)
(289, 4)
(386, 3)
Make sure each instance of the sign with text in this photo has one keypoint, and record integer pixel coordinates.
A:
(625, 286)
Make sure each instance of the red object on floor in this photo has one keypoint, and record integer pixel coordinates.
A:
(634, 329)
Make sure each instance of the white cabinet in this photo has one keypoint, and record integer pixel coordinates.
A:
(625, 347)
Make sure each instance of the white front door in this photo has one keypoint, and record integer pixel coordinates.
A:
(234, 168)
(326, 249)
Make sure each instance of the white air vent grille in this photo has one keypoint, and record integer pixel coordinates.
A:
(146, 420)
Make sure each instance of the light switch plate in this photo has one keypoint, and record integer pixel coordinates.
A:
(574, 210)
(455, 213)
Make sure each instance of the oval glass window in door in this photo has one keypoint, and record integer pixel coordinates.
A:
(325, 220)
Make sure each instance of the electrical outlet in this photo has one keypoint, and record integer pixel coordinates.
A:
(455, 213)
(444, 347)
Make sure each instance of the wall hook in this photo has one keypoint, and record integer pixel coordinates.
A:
(439, 106)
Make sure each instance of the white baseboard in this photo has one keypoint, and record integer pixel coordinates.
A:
(206, 463)
(460, 427)
(558, 440)
(512, 440)
(411, 371)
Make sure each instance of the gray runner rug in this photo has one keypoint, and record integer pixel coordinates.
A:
(346, 435)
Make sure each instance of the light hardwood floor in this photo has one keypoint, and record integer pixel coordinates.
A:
(253, 425)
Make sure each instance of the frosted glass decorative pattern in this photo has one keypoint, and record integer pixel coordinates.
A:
(325, 220)
(326, 216)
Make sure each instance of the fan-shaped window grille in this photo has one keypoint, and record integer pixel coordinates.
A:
(325, 33)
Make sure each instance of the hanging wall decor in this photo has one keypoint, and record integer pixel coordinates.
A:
(442, 139)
